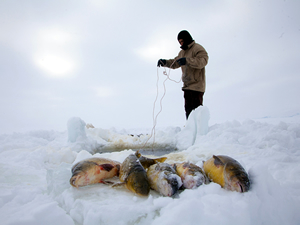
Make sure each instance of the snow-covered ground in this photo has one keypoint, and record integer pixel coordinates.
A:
(35, 169)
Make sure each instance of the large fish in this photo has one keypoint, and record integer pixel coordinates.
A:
(93, 170)
(163, 179)
(147, 162)
(227, 172)
(133, 174)
(192, 176)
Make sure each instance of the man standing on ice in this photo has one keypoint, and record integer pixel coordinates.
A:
(192, 59)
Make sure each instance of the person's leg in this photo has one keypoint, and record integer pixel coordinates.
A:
(193, 99)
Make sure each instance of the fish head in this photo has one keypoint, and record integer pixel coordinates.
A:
(168, 181)
(238, 185)
(172, 185)
(80, 173)
(77, 180)
(138, 183)
(236, 179)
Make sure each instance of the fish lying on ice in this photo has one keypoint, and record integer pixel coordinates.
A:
(227, 172)
(147, 162)
(93, 170)
(163, 179)
(133, 174)
(192, 176)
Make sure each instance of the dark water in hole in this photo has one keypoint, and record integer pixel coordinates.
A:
(144, 151)
(156, 152)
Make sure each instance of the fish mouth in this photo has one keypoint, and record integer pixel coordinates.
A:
(73, 182)
(241, 188)
(244, 185)
(173, 186)
(174, 189)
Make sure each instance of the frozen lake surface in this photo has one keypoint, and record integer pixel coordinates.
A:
(35, 169)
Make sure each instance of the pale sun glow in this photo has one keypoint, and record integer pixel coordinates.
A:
(54, 53)
(55, 65)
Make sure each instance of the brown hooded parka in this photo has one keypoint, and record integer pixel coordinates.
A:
(193, 73)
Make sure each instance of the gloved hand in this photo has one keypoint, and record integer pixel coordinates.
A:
(181, 61)
(161, 62)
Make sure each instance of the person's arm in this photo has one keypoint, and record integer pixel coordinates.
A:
(171, 63)
(199, 61)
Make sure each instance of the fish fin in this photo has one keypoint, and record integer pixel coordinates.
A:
(106, 182)
(162, 159)
(118, 184)
(138, 154)
(174, 166)
(118, 167)
(186, 164)
(108, 167)
(217, 161)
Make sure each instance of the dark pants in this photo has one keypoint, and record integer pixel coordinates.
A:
(192, 99)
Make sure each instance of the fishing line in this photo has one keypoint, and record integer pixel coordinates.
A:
(154, 117)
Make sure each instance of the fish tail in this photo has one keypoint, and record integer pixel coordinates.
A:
(162, 159)
(138, 154)
(118, 184)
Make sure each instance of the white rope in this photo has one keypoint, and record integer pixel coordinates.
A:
(157, 93)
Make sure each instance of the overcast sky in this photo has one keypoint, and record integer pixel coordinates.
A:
(97, 60)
